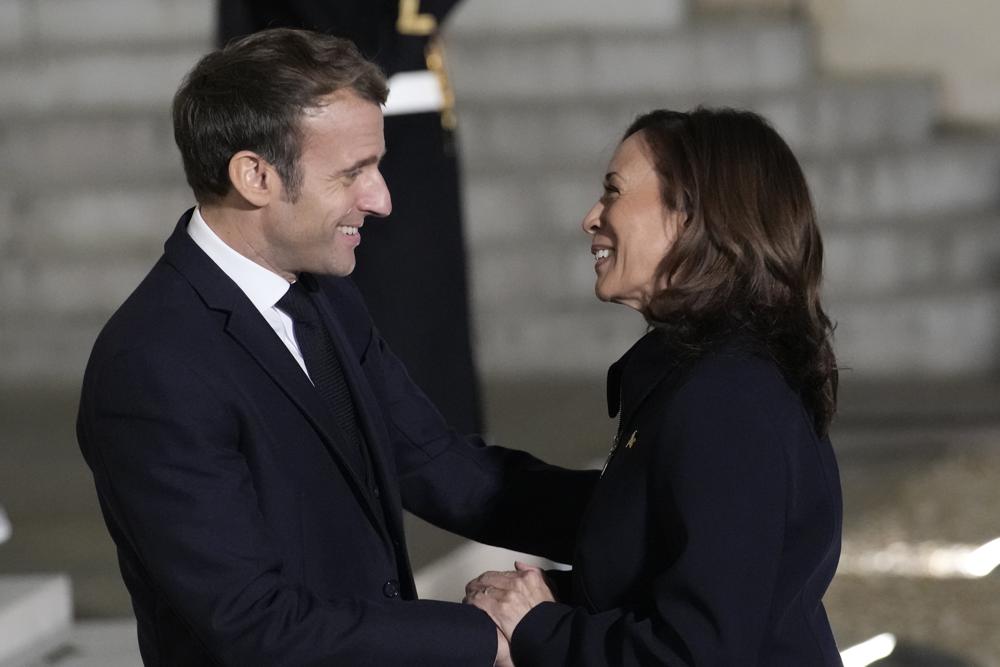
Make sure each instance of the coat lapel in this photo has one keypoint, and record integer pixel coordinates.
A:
(646, 364)
(371, 421)
(249, 330)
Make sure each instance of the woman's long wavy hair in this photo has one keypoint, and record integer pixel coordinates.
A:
(749, 255)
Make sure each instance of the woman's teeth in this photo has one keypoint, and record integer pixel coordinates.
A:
(603, 253)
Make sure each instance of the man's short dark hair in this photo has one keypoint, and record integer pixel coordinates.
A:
(251, 95)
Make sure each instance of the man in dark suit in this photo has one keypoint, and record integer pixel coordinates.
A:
(413, 273)
(253, 439)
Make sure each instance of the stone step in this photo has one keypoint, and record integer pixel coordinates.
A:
(132, 145)
(83, 252)
(110, 80)
(912, 254)
(74, 287)
(955, 172)
(54, 25)
(33, 609)
(78, 25)
(73, 256)
(137, 151)
(528, 16)
(100, 224)
(821, 116)
(940, 334)
(141, 74)
(698, 56)
(506, 203)
(893, 257)
(89, 150)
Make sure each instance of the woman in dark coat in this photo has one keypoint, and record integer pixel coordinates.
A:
(715, 528)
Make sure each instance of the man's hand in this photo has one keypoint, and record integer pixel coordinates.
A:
(508, 596)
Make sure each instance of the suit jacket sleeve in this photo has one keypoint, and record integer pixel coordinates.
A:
(494, 495)
(163, 444)
(719, 466)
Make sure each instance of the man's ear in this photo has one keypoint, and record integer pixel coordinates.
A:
(254, 178)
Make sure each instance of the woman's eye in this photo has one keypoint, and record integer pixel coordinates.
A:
(610, 192)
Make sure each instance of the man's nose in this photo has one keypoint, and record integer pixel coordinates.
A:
(377, 201)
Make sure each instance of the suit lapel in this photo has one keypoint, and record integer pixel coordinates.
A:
(249, 330)
(371, 424)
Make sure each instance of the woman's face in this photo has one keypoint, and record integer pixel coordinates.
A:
(630, 228)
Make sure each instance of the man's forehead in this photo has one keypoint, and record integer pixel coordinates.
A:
(345, 101)
(347, 121)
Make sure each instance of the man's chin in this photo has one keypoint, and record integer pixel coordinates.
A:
(339, 269)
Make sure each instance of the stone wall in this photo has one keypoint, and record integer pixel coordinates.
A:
(955, 41)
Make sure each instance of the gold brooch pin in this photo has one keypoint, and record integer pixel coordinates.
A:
(631, 441)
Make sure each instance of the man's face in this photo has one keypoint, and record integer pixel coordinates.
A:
(341, 186)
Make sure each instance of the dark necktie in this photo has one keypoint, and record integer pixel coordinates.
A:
(316, 346)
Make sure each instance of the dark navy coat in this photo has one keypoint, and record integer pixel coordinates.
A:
(242, 536)
(714, 531)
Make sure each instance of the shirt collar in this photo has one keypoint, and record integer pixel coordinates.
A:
(262, 286)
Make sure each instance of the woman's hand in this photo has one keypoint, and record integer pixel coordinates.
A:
(503, 651)
(508, 596)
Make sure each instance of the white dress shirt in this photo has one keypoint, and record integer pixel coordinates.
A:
(262, 286)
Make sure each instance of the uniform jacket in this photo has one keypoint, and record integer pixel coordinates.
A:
(373, 25)
(242, 536)
(714, 531)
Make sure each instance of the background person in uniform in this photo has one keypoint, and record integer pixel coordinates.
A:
(412, 271)
(715, 528)
(253, 439)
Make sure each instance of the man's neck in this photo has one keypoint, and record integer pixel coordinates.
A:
(241, 230)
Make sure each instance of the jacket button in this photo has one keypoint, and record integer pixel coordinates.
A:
(377, 493)
(391, 589)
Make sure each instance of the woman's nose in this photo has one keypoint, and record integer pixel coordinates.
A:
(592, 221)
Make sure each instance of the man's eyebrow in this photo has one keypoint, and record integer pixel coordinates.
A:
(370, 160)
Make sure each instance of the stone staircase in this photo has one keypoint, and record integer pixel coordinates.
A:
(909, 212)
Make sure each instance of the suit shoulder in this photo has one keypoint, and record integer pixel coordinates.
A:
(162, 313)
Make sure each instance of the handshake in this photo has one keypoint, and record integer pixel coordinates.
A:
(507, 597)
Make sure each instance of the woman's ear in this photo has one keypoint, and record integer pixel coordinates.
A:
(254, 178)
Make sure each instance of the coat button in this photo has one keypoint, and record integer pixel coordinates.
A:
(377, 493)
(391, 589)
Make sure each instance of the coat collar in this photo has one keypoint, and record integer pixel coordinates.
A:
(645, 365)
(246, 326)
(653, 359)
